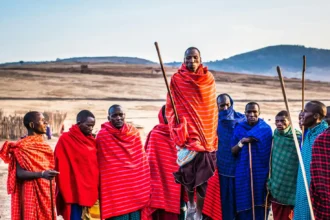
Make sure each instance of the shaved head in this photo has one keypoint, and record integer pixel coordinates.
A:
(35, 123)
(318, 107)
(116, 116)
(223, 102)
(83, 115)
(113, 107)
(314, 112)
(30, 117)
(192, 48)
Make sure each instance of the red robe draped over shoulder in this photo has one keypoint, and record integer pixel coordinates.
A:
(124, 170)
(35, 155)
(76, 160)
(194, 96)
(162, 155)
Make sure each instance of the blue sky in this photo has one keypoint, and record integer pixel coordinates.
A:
(46, 30)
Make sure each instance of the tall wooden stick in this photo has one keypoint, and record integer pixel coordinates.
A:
(51, 199)
(303, 95)
(269, 176)
(166, 82)
(296, 142)
(303, 83)
(251, 181)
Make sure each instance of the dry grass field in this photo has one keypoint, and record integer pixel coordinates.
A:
(140, 89)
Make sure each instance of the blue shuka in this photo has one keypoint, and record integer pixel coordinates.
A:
(260, 149)
(301, 209)
(226, 124)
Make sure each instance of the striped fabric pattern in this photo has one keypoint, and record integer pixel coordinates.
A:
(32, 154)
(301, 209)
(194, 95)
(212, 202)
(124, 170)
(161, 151)
(260, 163)
(320, 176)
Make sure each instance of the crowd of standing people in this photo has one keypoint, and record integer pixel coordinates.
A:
(204, 160)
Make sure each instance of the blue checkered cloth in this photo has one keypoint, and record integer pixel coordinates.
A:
(301, 209)
(260, 149)
(226, 124)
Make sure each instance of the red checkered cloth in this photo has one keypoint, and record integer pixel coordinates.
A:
(35, 155)
(124, 170)
(320, 176)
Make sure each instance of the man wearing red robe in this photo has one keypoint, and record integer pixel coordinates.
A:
(76, 160)
(30, 172)
(124, 168)
(194, 93)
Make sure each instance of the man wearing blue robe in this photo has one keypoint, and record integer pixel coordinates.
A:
(312, 120)
(228, 118)
(258, 133)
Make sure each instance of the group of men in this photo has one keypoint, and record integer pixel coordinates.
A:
(199, 162)
(276, 170)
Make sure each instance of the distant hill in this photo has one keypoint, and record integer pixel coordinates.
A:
(262, 61)
(288, 57)
(111, 59)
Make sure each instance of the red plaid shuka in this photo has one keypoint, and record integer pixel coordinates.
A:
(161, 151)
(320, 176)
(35, 155)
(124, 170)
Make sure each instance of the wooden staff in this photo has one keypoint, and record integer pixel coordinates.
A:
(303, 96)
(251, 180)
(51, 199)
(167, 86)
(269, 176)
(296, 142)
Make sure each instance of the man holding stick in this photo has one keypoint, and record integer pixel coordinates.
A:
(284, 168)
(31, 164)
(257, 134)
(194, 94)
(313, 122)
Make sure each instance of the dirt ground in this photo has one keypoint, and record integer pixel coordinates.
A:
(139, 89)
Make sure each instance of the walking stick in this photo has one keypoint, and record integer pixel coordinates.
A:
(51, 198)
(296, 142)
(167, 86)
(303, 96)
(269, 176)
(251, 180)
